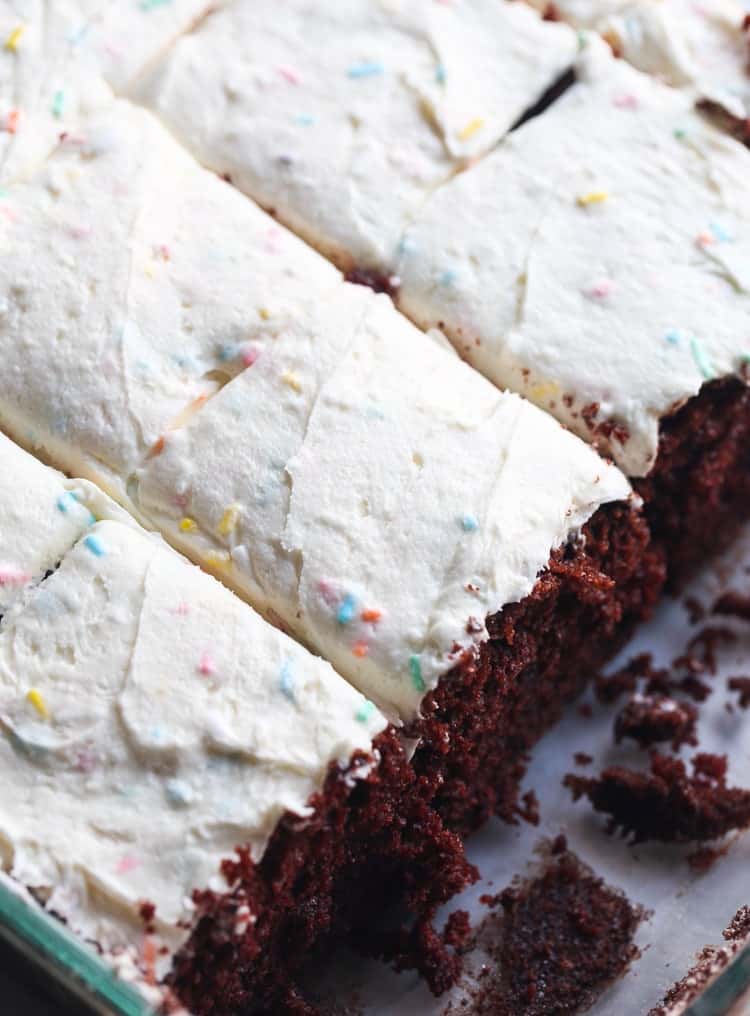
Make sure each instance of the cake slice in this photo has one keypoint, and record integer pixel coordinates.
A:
(342, 117)
(702, 47)
(343, 472)
(60, 59)
(193, 792)
(612, 290)
(41, 516)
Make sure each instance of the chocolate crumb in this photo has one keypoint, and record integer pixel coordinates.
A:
(733, 605)
(581, 758)
(528, 810)
(377, 281)
(742, 685)
(667, 804)
(648, 719)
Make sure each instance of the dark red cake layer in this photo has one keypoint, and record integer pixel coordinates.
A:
(698, 493)
(390, 846)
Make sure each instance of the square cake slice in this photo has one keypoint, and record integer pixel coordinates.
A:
(343, 117)
(598, 262)
(190, 790)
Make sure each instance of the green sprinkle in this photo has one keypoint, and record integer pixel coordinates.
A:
(415, 669)
(149, 5)
(365, 711)
(680, 133)
(702, 361)
(58, 104)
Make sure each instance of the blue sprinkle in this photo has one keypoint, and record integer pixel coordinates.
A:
(286, 681)
(304, 119)
(365, 70)
(178, 792)
(673, 337)
(440, 74)
(346, 610)
(719, 232)
(95, 545)
(78, 35)
(448, 278)
(406, 245)
(365, 711)
(470, 523)
(227, 353)
(66, 501)
(415, 669)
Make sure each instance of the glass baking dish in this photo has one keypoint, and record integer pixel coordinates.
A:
(57, 954)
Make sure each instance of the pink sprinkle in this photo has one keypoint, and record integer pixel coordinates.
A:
(628, 101)
(704, 240)
(327, 592)
(80, 232)
(289, 74)
(249, 355)
(183, 609)
(182, 500)
(85, 761)
(11, 575)
(126, 864)
(600, 290)
(273, 236)
(207, 667)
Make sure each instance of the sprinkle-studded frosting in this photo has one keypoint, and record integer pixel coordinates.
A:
(41, 516)
(374, 492)
(56, 55)
(344, 116)
(352, 475)
(700, 46)
(131, 284)
(149, 723)
(598, 261)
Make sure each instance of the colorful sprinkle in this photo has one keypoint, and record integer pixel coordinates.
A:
(250, 355)
(365, 70)
(701, 358)
(286, 681)
(592, 198)
(289, 74)
(680, 133)
(415, 669)
(94, 545)
(35, 698)
(719, 232)
(627, 101)
(183, 608)
(600, 290)
(179, 793)
(448, 277)
(365, 711)
(673, 337)
(292, 381)
(158, 447)
(58, 104)
(187, 525)
(440, 74)
(327, 591)
(304, 120)
(469, 523)
(207, 665)
(371, 615)
(11, 43)
(347, 609)
(12, 575)
(229, 519)
(471, 128)
(150, 5)
(218, 559)
(11, 121)
(544, 390)
(360, 649)
(126, 864)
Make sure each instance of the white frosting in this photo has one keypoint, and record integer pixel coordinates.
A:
(131, 285)
(40, 518)
(149, 723)
(374, 492)
(695, 44)
(344, 116)
(600, 255)
(56, 55)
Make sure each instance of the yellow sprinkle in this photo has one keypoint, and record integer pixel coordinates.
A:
(471, 128)
(292, 380)
(592, 198)
(187, 525)
(229, 520)
(35, 698)
(544, 390)
(14, 38)
(264, 313)
(220, 559)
